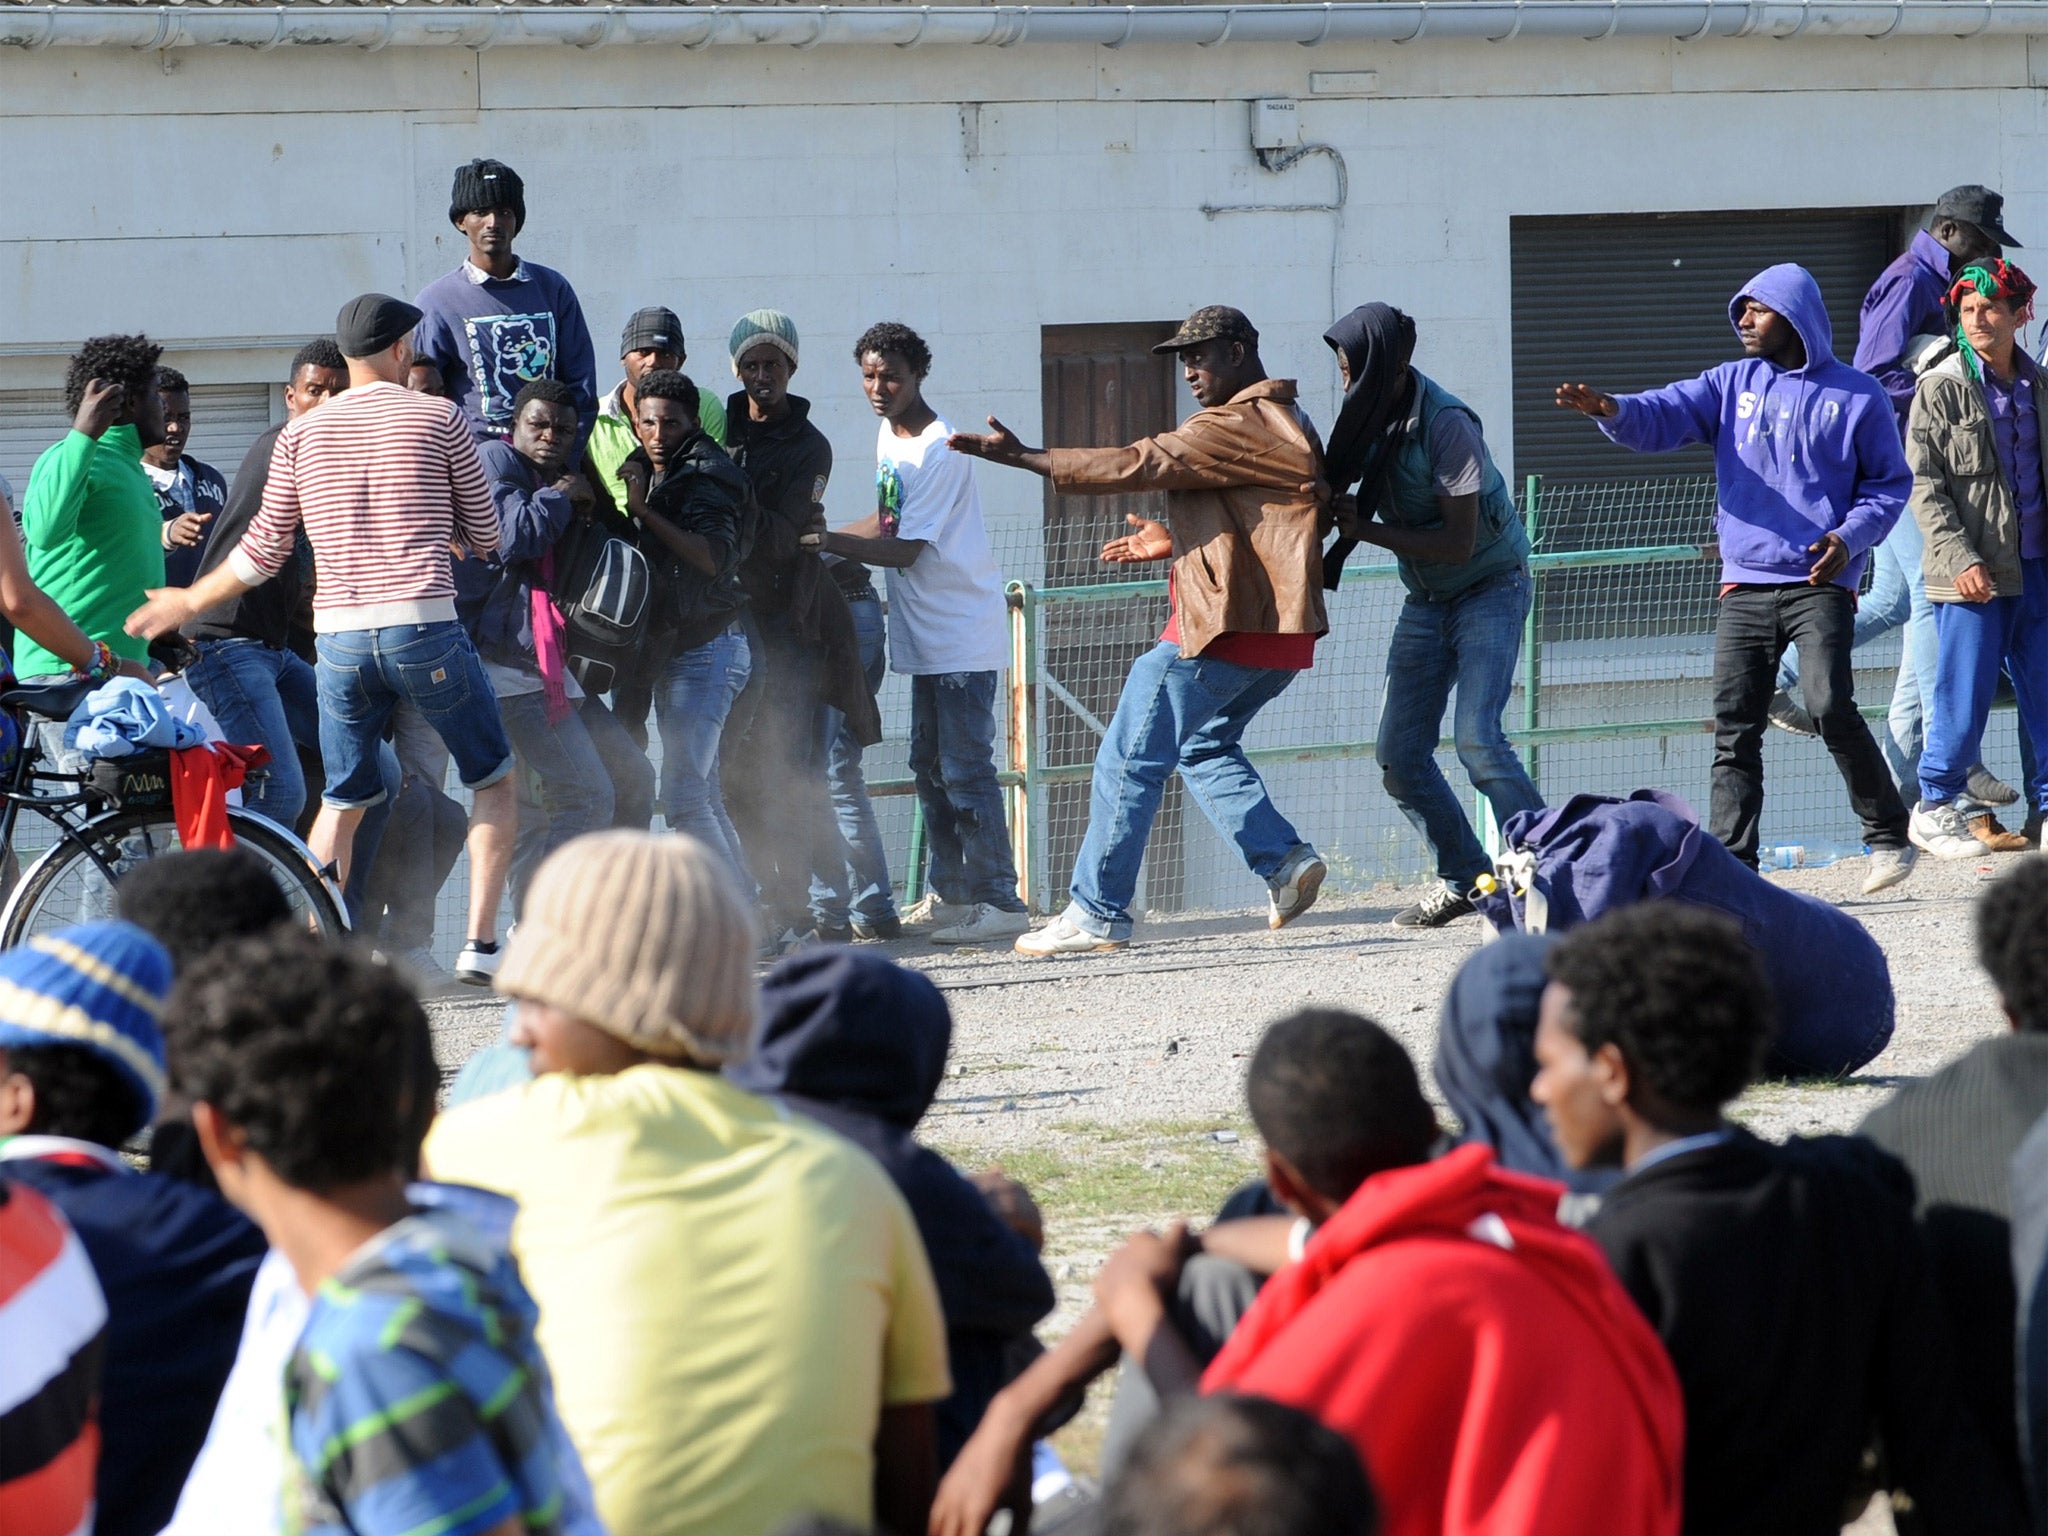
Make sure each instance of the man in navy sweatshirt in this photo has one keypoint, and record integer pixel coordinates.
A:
(496, 323)
(1810, 476)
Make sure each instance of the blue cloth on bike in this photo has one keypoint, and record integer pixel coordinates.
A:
(124, 717)
(1594, 852)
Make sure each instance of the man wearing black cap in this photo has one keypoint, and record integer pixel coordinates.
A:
(651, 343)
(384, 480)
(1901, 317)
(496, 322)
(1244, 488)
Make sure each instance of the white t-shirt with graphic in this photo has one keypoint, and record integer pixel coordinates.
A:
(946, 610)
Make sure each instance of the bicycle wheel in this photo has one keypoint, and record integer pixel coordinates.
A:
(65, 886)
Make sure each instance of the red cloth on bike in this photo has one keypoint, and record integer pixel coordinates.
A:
(1493, 1374)
(200, 780)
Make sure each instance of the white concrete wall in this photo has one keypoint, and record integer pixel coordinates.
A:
(229, 201)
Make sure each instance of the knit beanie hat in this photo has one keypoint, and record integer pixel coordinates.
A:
(763, 327)
(483, 185)
(100, 986)
(645, 936)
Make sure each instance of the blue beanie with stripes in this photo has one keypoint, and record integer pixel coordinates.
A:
(101, 987)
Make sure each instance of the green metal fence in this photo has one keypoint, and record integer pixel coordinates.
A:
(1613, 693)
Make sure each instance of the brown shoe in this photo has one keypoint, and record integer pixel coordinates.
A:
(1985, 828)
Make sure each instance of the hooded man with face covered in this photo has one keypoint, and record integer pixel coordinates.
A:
(1430, 494)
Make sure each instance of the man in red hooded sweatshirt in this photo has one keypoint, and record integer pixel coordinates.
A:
(1494, 1377)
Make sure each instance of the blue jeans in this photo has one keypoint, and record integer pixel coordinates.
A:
(1897, 595)
(858, 882)
(1184, 714)
(1468, 642)
(691, 702)
(575, 790)
(953, 760)
(265, 698)
(422, 841)
(625, 764)
(364, 673)
(1977, 639)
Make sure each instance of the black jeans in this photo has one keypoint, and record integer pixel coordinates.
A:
(1755, 625)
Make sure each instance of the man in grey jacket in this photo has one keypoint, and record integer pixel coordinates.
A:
(1980, 495)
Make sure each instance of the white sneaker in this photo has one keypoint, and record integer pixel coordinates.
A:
(929, 911)
(1062, 936)
(1296, 892)
(477, 965)
(1941, 831)
(1888, 866)
(980, 923)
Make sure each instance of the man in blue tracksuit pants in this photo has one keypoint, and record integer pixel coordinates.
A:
(1810, 476)
(1980, 495)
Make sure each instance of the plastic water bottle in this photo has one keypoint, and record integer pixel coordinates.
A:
(1798, 856)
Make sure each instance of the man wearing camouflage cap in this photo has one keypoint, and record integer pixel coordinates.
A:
(1243, 481)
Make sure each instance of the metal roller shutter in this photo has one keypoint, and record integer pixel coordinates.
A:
(226, 419)
(1630, 302)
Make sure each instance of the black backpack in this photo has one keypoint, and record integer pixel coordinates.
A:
(601, 585)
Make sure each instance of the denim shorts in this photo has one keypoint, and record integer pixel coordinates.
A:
(363, 673)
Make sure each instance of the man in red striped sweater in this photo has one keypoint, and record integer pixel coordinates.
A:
(386, 481)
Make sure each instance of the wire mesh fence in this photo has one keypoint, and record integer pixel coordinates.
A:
(1613, 693)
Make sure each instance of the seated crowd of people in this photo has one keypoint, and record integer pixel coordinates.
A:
(696, 1274)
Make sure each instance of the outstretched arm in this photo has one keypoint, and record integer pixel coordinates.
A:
(864, 541)
(1001, 446)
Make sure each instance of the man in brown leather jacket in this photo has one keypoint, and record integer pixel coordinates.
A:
(1244, 492)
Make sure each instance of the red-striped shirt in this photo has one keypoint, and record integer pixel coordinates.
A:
(53, 1323)
(384, 479)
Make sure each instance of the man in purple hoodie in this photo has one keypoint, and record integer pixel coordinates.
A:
(1811, 477)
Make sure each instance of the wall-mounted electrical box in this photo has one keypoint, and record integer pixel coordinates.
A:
(1276, 123)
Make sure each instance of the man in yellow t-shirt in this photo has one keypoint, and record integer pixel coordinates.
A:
(735, 1303)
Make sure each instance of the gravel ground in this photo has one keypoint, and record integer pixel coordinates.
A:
(1159, 1033)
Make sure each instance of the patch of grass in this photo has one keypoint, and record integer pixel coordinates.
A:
(1090, 1173)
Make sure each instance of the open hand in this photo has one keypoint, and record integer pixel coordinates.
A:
(101, 404)
(1834, 559)
(1151, 541)
(999, 445)
(1974, 585)
(186, 529)
(1586, 400)
(980, 1478)
(167, 608)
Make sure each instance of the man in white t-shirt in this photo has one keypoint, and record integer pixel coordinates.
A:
(948, 633)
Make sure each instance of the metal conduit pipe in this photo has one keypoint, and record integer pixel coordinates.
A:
(400, 25)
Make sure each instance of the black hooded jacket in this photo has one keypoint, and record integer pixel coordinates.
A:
(860, 1045)
(705, 493)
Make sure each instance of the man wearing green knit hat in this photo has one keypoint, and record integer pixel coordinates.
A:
(807, 662)
(1980, 496)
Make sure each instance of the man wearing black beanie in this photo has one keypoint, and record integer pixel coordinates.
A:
(496, 323)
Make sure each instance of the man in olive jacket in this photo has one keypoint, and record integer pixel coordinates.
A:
(1244, 488)
(1980, 494)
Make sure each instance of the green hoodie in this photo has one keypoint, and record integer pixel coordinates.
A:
(95, 540)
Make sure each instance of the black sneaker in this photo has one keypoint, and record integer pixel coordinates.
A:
(831, 933)
(874, 930)
(1788, 716)
(1442, 905)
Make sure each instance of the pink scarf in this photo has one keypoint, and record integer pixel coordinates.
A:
(549, 646)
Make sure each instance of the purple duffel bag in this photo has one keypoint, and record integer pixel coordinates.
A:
(1568, 864)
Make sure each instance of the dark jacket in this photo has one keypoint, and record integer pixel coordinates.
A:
(788, 463)
(705, 493)
(209, 498)
(1794, 1296)
(860, 1045)
(494, 596)
(1957, 1132)
(263, 613)
(2029, 1261)
(176, 1264)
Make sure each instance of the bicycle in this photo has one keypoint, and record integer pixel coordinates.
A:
(113, 817)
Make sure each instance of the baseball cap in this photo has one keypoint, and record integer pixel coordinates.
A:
(1976, 205)
(1213, 322)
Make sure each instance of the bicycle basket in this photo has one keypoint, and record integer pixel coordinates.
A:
(138, 782)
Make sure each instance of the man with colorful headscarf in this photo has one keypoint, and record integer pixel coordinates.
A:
(1980, 495)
